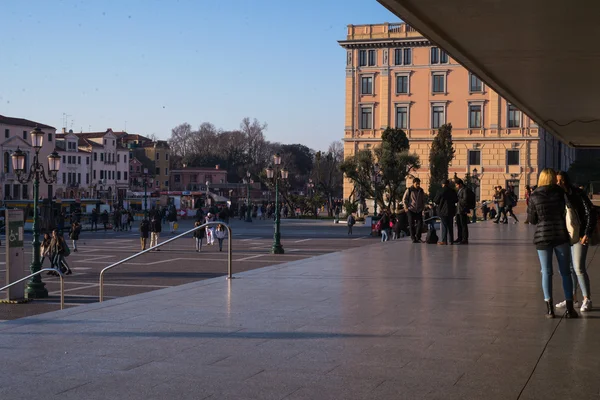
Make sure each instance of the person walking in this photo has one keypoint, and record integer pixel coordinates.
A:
(446, 201)
(384, 224)
(198, 236)
(124, 220)
(59, 250)
(105, 220)
(587, 224)
(172, 217)
(414, 204)
(116, 220)
(210, 230)
(351, 221)
(74, 235)
(144, 233)
(94, 220)
(45, 251)
(511, 201)
(155, 229)
(500, 199)
(547, 211)
(220, 234)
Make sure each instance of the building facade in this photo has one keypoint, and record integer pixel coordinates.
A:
(16, 135)
(397, 78)
(74, 177)
(109, 165)
(194, 179)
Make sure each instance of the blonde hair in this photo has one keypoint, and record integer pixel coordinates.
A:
(547, 177)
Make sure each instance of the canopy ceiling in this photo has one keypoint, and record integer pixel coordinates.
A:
(541, 55)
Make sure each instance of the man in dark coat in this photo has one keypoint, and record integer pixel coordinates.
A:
(446, 201)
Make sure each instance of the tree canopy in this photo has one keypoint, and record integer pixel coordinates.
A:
(395, 163)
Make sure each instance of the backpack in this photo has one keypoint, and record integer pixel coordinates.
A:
(432, 237)
(512, 199)
(471, 200)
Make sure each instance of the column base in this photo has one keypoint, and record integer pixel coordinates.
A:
(277, 249)
(36, 290)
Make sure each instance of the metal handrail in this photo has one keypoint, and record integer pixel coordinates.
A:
(229, 256)
(62, 283)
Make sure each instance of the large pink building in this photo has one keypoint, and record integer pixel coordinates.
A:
(395, 77)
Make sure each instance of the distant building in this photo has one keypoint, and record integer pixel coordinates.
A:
(109, 164)
(397, 78)
(15, 134)
(193, 179)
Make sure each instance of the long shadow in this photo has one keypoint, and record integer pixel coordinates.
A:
(218, 335)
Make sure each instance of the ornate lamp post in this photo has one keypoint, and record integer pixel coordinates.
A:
(274, 174)
(35, 287)
(475, 180)
(375, 178)
(248, 181)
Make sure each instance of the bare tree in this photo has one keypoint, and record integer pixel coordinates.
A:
(181, 140)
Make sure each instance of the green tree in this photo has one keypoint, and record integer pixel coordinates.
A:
(395, 164)
(440, 157)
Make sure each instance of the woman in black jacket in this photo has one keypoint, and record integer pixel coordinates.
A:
(547, 211)
(587, 223)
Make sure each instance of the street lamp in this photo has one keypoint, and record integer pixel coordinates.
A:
(247, 181)
(145, 193)
(207, 191)
(35, 287)
(275, 175)
(475, 180)
(310, 187)
(375, 181)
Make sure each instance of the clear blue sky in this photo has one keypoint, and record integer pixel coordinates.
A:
(157, 64)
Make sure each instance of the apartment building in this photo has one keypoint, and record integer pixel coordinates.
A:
(109, 164)
(15, 134)
(395, 77)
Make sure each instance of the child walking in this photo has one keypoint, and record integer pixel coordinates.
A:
(198, 236)
(220, 234)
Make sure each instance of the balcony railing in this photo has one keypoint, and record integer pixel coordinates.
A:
(381, 31)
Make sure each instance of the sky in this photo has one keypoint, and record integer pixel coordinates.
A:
(149, 65)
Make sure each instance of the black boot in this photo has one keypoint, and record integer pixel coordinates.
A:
(571, 313)
(549, 309)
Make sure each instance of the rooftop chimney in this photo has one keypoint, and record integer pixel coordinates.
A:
(64, 130)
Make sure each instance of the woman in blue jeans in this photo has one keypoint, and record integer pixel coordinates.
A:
(587, 223)
(547, 211)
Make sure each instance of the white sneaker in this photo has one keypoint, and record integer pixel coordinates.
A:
(586, 306)
(563, 304)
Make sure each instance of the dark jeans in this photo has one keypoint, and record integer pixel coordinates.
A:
(94, 226)
(447, 229)
(462, 224)
(415, 220)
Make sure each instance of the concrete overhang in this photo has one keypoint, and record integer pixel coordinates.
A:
(541, 55)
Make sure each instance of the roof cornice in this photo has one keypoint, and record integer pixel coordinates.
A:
(384, 43)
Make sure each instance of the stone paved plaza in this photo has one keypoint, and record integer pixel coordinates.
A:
(383, 321)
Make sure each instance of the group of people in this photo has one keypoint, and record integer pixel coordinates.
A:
(454, 204)
(262, 211)
(565, 222)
